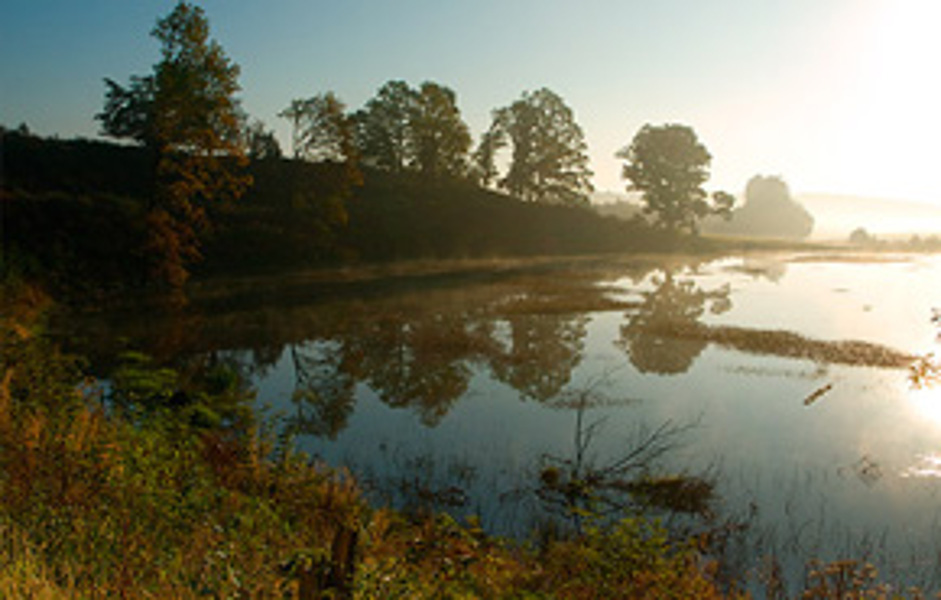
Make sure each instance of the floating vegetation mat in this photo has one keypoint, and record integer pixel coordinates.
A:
(787, 344)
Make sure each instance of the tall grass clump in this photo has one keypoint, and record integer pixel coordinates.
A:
(110, 494)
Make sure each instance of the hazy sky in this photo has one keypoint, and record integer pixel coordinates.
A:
(838, 96)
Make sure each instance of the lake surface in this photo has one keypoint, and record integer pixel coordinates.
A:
(471, 391)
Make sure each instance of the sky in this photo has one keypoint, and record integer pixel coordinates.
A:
(835, 96)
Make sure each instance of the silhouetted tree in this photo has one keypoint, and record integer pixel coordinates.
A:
(322, 132)
(769, 211)
(441, 138)
(22, 130)
(861, 237)
(296, 112)
(321, 129)
(549, 160)
(129, 111)
(261, 142)
(669, 166)
(383, 127)
(185, 113)
(483, 168)
(422, 130)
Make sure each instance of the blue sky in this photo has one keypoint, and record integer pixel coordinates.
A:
(836, 96)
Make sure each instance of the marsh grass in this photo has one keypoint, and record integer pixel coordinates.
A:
(787, 344)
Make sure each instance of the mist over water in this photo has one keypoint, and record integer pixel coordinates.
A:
(837, 216)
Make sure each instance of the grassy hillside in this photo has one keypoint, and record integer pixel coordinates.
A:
(73, 216)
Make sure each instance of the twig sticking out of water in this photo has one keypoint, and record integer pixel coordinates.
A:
(817, 394)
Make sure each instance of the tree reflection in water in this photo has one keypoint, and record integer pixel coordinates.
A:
(417, 349)
(539, 353)
(324, 390)
(422, 355)
(419, 363)
(673, 301)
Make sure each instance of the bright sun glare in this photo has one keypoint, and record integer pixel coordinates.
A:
(927, 403)
(890, 117)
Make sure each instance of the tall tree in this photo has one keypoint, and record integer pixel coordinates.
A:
(296, 113)
(420, 130)
(439, 135)
(669, 166)
(321, 129)
(322, 132)
(186, 115)
(549, 156)
(383, 127)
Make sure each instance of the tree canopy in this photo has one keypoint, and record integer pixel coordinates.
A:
(549, 155)
(669, 165)
(441, 138)
(383, 127)
(421, 130)
(771, 210)
(185, 112)
(321, 129)
(260, 142)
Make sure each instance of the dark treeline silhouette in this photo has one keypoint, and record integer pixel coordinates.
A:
(395, 179)
(74, 213)
(75, 216)
(205, 187)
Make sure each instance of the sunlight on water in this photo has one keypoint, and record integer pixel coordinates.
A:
(928, 466)
(927, 403)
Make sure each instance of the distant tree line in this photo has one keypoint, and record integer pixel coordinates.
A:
(863, 238)
(769, 211)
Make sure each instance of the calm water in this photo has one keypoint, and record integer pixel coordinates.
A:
(458, 391)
